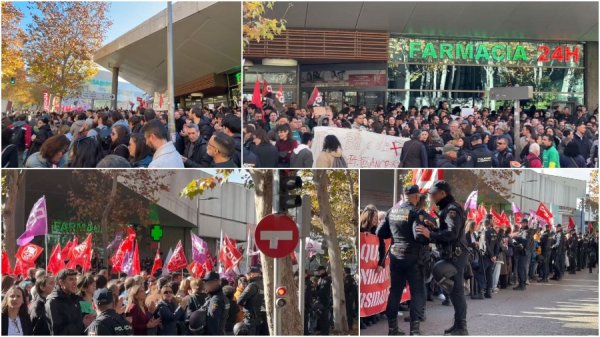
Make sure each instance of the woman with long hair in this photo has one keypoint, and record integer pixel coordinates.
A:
(331, 156)
(119, 139)
(85, 152)
(138, 314)
(15, 319)
(43, 287)
(86, 286)
(139, 152)
(369, 219)
(51, 153)
(285, 145)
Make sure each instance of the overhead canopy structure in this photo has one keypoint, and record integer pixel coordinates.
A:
(206, 41)
(550, 21)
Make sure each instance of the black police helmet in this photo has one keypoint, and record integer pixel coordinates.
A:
(443, 272)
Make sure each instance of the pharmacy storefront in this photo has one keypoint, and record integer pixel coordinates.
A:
(428, 71)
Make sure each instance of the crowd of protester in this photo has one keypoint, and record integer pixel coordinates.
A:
(439, 136)
(101, 303)
(122, 138)
(545, 253)
(568, 139)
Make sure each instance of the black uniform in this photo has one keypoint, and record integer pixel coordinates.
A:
(492, 249)
(215, 313)
(252, 300)
(521, 244)
(451, 243)
(405, 261)
(109, 323)
(592, 253)
(558, 250)
(351, 295)
(545, 246)
(39, 321)
(573, 244)
(323, 296)
(482, 156)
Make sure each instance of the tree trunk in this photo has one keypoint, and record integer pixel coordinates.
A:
(14, 180)
(105, 220)
(354, 218)
(340, 320)
(263, 182)
(406, 85)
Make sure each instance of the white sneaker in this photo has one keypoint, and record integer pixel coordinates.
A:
(442, 297)
(495, 291)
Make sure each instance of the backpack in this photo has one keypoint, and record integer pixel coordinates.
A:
(18, 137)
(339, 162)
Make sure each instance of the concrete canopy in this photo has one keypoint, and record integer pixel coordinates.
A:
(550, 21)
(206, 40)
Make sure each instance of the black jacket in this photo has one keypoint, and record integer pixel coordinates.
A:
(40, 137)
(216, 313)
(502, 159)
(109, 323)
(323, 293)
(169, 315)
(64, 313)
(451, 232)
(25, 323)
(267, 154)
(252, 299)
(39, 321)
(200, 157)
(545, 243)
(482, 156)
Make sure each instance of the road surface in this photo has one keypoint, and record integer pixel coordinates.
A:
(567, 307)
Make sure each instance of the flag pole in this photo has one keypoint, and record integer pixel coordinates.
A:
(248, 249)
(46, 247)
(220, 246)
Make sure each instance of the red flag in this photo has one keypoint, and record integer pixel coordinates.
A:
(6, 268)
(496, 217)
(266, 88)
(504, 218)
(571, 224)
(229, 254)
(256, 96)
(208, 264)
(21, 268)
(136, 261)
(544, 213)
(279, 94)
(590, 227)
(125, 246)
(157, 263)
(29, 253)
(518, 217)
(315, 97)
(294, 258)
(178, 260)
(196, 269)
(472, 214)
(405, 294)
(425, 178)
(82, 255)
(56, 262)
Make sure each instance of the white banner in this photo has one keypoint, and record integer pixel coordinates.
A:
(362, 148)
(161, 101)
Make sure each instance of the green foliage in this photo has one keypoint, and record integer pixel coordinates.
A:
(257, 27)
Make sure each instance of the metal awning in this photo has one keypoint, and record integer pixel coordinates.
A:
(206, 41)
(550, 21)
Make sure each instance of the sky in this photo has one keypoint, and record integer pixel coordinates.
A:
(580, 173)
(124, 15)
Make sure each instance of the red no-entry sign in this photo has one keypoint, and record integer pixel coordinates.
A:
(276, 235)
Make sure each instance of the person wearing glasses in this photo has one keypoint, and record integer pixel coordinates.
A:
(502, 156)
(15, 319)
(170, 310)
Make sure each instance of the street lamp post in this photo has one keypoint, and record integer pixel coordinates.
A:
(523, 183)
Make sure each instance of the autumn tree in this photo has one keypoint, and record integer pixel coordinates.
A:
(105, 199)
(592, 200)
(61, 42)
(13, 188)
(256, 26)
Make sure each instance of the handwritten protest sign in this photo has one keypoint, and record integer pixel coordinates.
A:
(362, 148)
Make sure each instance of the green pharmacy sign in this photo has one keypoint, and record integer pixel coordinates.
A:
(407, 50)
(68, 227)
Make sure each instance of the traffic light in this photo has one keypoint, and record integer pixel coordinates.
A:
(13, 80)
(281, 297)
(289, 182)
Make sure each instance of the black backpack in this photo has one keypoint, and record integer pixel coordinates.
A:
(18, 137)
(103, 136)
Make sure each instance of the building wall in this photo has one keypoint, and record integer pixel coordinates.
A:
(591, 75)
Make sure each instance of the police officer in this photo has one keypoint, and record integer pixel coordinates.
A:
(490, 254)
(481, 154)
(451, 243)
(521, 241)
(252, 300)
(108, 322)
(351, 296)
(545, 242)
(405, 255)
(572, 244)
(558, 249)
(323, 295)
(214, 305)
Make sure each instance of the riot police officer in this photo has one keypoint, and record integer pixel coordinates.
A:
(545, 242)
(405, 259)
(252, 300)
(521, 241)
(214, 305)
(108, 321)
(323, 296)
(482, 156)
(558, 249)
(451, 243)
(491, 249)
